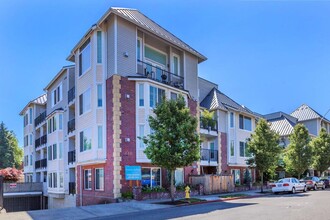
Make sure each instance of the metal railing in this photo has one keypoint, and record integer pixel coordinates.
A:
(209, 155)
(71, 156)
(71, 94)
(71, 125)
(155, 73)
(41, 141)
(72, 188)
(38, 120)
(209, 124)
(41, 163)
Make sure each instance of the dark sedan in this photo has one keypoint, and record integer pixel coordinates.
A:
(313, 182)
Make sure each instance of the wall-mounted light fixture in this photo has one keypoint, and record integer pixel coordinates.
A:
(127, 140)
(125, 54)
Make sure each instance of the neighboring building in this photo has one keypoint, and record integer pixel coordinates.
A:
(87, 132)
(235, 124)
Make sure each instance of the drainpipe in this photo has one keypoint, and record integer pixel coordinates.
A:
(80, 180)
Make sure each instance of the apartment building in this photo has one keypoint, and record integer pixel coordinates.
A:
(224, 147)
(97, 108)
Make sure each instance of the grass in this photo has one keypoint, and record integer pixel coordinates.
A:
(181, 201)
(233, 196)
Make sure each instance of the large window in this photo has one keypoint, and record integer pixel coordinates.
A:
(232, 148)
(52, 180)
(99, 179)
(30, 114)
(156, 96)
(85, 138)
(99, 95)
(155, 55)
(99, 47)
(52, 152)
(245, 123)
(85, 102)
(141, 94)
(88, 179)
(51, 124)
(243, 151)
(57, 94)
(176, 65)
(85, 57)
(151, 177)
(61, 180)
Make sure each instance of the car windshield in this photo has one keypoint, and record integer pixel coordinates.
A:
(286, 180)
(309, 178)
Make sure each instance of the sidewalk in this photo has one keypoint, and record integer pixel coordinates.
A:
(87, 212)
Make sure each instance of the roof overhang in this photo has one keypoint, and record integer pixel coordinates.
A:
(57, 76)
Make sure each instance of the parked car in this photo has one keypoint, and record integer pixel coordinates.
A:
(313, 182)
(326, 180)
(288, 185)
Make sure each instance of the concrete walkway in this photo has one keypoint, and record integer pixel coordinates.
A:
(88, 212)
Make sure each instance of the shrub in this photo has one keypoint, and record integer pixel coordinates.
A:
(148, 189)
(11, 174)
(127, 195)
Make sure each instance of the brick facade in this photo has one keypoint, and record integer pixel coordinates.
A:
(224, 163)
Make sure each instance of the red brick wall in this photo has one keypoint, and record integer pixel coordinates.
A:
(224, 163)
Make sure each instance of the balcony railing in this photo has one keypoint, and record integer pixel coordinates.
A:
(72, 188)
(155, 73)
(209, 155)
(41, 141)
(71, 156)
(71, 125)
(41, 163)
(209, 124)
(40, 118)
(71, 95)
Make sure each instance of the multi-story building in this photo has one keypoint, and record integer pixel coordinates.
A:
(224, 142)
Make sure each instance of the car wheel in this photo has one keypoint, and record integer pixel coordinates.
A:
(293, 190)
(315, 187)
(323, 187)
(305, 189)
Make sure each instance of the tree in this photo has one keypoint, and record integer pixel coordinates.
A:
(321, 151)
(174, 142)
(265, 149)
(298, 155)
(11, 174)
(11, 153)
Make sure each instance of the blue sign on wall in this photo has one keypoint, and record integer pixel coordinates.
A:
(133, 173)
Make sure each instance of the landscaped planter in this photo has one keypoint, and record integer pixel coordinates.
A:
(167, 195)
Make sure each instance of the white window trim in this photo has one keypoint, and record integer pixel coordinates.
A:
(178, 57)
(144, 95)
(83, 130)
(102, 43)
(141, 49)
(88, 111)
(99, 190)
(160, 178)
(89, 189)
(242, 129)
(90, 58)
(61, 94)
(97, 98)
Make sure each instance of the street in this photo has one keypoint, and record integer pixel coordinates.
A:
(310, 205)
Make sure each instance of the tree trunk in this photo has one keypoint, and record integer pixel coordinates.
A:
(172, 185)
(262, 181)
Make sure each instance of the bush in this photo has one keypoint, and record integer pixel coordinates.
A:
(148, 189)
(127, 195)
(11, 174)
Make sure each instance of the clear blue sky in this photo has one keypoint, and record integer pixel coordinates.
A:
(267, 55)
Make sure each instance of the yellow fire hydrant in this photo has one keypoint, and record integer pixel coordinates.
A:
(187, 190)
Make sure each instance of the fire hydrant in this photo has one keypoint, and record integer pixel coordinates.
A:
(187, 190)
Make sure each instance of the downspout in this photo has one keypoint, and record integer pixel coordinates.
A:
(80, 180)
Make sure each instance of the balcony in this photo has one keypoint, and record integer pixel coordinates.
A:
(41, 118)
(209, 156)
(209, 124)
(41, 164)
(155, 73)
(71, 156)
(71, 125)
(41, 141)
(71, 94)
(72, 188)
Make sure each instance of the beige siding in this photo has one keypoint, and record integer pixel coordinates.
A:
(191, 74)
(110, 47)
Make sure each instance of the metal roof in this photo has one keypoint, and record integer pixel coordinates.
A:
(304, 113)
(142, 21)
(41, 100)
(218, 100)
(283, 126)
(280, 115)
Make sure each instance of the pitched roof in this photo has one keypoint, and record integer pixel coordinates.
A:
(218, 100)
(41, 100)
(304, 113)
(283, 127)
(280, 115)
(142, 21)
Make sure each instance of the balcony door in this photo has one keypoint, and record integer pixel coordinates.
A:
(155, 70)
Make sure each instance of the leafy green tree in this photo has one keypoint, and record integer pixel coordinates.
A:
(10, 153)
(174, 142)
(265, 149)
(298, 155)
(321, 151)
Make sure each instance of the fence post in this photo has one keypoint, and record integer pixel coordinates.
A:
(1, 193)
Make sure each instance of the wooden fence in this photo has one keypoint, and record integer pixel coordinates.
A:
(214, 183)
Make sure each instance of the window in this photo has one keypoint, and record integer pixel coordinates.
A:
(61, 180)
(99, 95)
(26, 140)
(243, 151)
(141, 94)
(99, 179)
(50, 180)
(30, 160)
(50, 153)
(99, 46)
(85, 57)
(231, 119)
(55, 180)
(88, 179)
(179, 176)
(236, 175)
(155, 55)
(85, 102)
(156, 96)
(174, 96)
(245, 123)
(54, 151)
(212, 151)
(232, 148)
(26, 160)
(52, 124)
(141, 135)
(151, 177)
(25, 120)
(85, 140)
(30, 139)
(57, 95)
(99, 136)
(30, 114)
(138, 49)
(60, 155)
(60, 121)
(176, 65)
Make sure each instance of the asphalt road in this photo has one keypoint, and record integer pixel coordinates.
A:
(300, 206)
